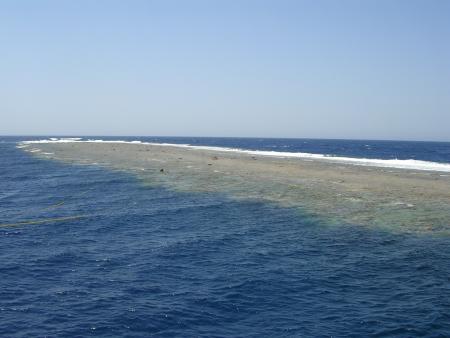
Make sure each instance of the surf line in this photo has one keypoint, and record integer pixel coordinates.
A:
(41, 221)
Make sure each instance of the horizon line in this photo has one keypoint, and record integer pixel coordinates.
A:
(237, 137)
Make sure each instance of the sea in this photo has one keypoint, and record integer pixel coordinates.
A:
(90, 252)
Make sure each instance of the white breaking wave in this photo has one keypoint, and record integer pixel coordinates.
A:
(392, 163)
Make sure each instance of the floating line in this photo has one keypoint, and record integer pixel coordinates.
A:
(41, 221)
(60, 203)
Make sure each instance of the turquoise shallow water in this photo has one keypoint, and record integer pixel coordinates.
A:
(144, 261)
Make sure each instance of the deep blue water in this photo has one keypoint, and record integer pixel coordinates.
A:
(146, 261)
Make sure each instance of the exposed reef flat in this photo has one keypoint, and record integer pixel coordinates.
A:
(401, 199)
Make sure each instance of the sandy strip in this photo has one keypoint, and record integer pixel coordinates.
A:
(410, 200)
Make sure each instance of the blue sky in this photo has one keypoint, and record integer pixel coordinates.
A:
(324, 69)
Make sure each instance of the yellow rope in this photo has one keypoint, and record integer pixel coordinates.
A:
(53, 206)
(57, 205)
(48, 220)
(45, 220)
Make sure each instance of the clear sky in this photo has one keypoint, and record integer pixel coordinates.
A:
(326, 69)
